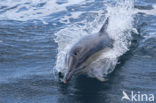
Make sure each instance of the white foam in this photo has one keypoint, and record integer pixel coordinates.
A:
(75, 15)
(66, 19)
(154, 6)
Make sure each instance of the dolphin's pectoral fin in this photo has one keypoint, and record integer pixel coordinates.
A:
(100, 78)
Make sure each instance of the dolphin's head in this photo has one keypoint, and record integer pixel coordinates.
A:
(73, 60)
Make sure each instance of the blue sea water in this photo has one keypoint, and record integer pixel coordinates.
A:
(28, 52)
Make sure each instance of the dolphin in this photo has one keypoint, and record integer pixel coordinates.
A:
(86, 50)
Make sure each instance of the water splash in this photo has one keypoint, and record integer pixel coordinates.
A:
(120, 26)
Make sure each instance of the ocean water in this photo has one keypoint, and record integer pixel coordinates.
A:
(35, 35)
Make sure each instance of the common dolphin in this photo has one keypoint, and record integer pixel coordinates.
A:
(86, 50)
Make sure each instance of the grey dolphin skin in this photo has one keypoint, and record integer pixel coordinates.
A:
(85, 50)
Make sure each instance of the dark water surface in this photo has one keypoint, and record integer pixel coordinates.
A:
(28, 54)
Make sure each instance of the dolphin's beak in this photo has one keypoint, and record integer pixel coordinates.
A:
(68, 76)
(70, 70)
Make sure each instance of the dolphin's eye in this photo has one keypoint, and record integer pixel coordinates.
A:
(76, 51)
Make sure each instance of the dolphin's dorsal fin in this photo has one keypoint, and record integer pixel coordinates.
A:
(105, 25)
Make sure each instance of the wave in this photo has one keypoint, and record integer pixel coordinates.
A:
(38, 9)
(34, 9)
